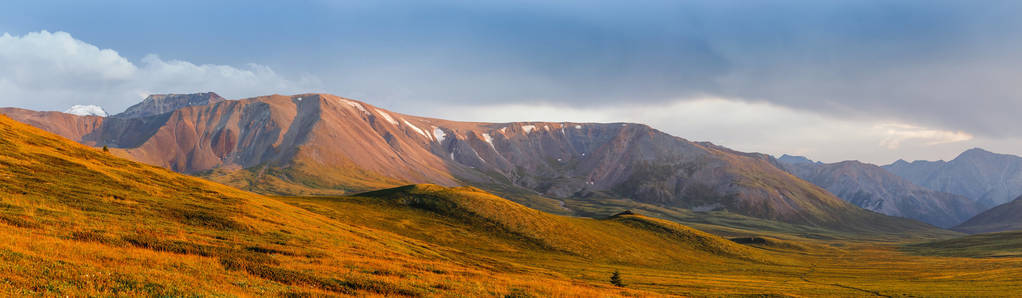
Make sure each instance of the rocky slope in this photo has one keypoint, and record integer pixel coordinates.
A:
(165, 103)
(990, 179)
(873, 188)
(318, 143)
(1006, 217)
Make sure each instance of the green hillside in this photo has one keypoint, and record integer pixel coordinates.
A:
(1002, 244)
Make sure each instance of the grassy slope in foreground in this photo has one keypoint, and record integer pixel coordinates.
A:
(644, 249)
(77, 221)
(623, 238)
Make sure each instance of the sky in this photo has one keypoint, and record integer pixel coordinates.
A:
(836, 80)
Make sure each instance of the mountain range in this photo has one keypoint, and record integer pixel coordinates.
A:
(324, 144)
(988, 178)
(78, 220)
(874, 188)
(81, 220)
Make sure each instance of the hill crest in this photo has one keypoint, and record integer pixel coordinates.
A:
(324, 144)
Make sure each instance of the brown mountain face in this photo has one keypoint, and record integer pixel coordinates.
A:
(1006, 217)
(873, 188)
(318, 143)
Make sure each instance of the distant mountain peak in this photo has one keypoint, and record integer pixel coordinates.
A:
(792, 159)
(981, 155)
(899, 162)
(874, 188)
(976, 151)
(986, 177)
(157, 104)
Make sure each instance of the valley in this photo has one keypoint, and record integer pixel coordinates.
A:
(162, 233)
(510, 149)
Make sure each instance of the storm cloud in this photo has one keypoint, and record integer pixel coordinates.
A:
(942, 73)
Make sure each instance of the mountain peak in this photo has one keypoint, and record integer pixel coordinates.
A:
(791, 159)
(976, 151)
(979, 154)
(156, 104)
(900, 162)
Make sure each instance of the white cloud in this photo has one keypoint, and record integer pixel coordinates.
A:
(52, 71)
(751, 126)
(86, 110)
(898, 133)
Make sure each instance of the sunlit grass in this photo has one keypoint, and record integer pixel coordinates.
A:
(76, 221)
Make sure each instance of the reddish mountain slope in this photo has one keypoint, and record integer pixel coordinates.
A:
(317, 143)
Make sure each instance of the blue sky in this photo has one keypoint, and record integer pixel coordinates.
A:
(894, 79)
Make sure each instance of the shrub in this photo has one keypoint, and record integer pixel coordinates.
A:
(19, 221)
(95, 236)
(518, 293)
(615, 279)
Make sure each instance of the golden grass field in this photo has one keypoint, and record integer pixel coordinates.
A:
(77, 221)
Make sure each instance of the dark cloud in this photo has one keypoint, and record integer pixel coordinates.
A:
(944, 64)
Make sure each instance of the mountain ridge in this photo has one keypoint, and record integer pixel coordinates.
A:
(156, 104)
(320, 143)
(988, 178)
(874, 188)
(1004, 217)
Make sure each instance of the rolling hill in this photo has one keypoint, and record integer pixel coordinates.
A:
(626, 237)
(873, 188)
(323, 144)
(1006, 217)
(996, 245)
(660, 255)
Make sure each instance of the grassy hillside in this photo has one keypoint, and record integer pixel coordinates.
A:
(1005, 217)
(1003, 244)
(662, 256)
(623, 238)
(78, 221)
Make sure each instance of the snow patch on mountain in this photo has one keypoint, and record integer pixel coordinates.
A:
(415, 128)
(439, 133)
(86, 110)
(356, 105)
(488, 139)
(387, 117)
(528, 128)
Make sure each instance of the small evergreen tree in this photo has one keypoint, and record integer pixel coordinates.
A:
(615, 279)
(105, 149)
